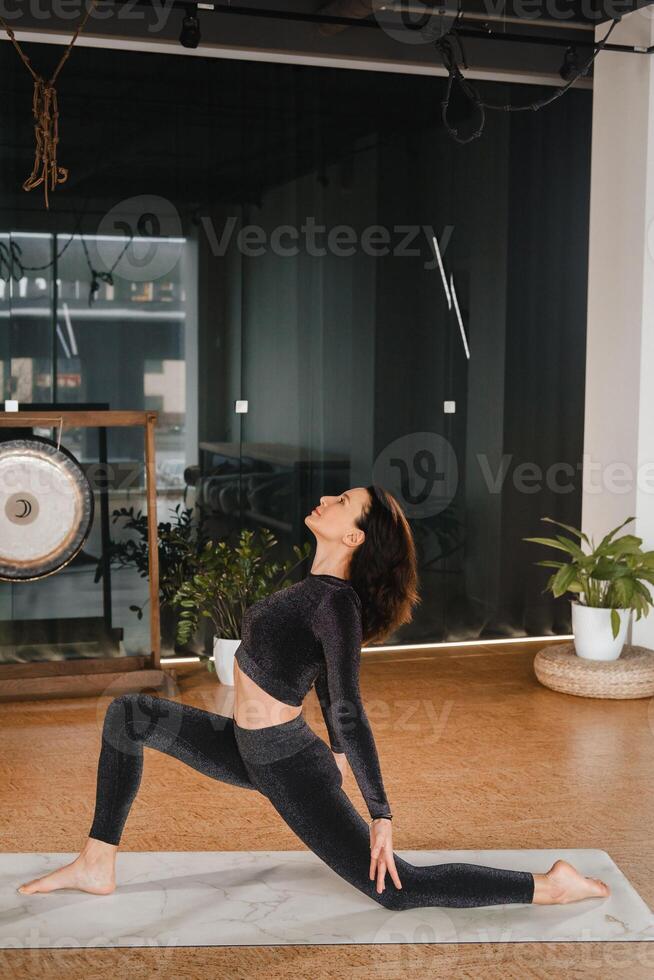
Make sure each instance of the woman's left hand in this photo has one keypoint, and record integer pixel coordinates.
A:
(381, 853)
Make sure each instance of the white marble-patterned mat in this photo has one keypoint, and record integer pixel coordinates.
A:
(273, 898)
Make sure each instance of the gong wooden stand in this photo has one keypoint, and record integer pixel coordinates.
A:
(110, 675)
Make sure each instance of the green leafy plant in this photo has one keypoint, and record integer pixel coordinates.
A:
(609, 576)
(227, 580)
(179, 541)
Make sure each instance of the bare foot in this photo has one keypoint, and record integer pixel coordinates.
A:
(92, 871)
(564, 884)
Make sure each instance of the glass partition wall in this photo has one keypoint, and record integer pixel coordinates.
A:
(411, 311)
(76, 336)
(316, 288)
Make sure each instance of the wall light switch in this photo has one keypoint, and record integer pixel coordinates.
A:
(241, 407)
(11, 405)
(449, 408)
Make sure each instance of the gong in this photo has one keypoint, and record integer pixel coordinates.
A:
(46, 508)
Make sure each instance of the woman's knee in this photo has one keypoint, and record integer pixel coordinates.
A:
(121, 708)
(128, 698)
(134, 713)
(118, 707)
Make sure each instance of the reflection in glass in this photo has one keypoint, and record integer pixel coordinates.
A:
(113, 343)
(305, 283)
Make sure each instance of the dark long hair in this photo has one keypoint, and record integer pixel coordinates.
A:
(383, 570)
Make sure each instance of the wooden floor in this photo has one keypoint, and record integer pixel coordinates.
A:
(474, 753)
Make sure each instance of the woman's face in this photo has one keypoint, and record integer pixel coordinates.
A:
(335, 517)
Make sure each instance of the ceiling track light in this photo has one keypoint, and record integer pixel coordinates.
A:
(189, 36)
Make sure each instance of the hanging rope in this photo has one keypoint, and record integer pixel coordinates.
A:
(45, 110)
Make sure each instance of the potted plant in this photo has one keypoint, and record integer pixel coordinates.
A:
(226, 581)
(609, 581)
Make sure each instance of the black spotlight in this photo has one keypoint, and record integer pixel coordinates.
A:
(190, 34)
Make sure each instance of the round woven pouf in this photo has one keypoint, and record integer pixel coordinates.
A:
(630, 676)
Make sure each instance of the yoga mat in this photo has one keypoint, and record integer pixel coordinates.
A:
(278, 898)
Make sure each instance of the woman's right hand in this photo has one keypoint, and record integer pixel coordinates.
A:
(381, 853)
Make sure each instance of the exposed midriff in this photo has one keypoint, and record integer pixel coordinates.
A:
(255, 708)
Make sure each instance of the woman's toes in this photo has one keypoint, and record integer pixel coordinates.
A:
(600, 888)
(75, 875)
(35, 885)
(46, 883)
(27, 888)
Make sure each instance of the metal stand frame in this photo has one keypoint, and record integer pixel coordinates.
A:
(65, 678)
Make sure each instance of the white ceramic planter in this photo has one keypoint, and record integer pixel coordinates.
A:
(223, 657)
(593, 634)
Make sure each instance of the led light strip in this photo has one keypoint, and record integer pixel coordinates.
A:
(421, 646)
(442, 270)
(458, 316)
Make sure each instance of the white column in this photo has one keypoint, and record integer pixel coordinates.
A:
(619, 413)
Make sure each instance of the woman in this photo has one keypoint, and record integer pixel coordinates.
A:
(361, 587)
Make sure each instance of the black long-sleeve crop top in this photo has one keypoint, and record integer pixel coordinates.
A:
(311, 633)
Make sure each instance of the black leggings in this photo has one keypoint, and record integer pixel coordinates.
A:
(294, 769)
